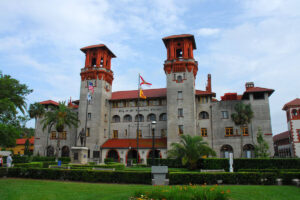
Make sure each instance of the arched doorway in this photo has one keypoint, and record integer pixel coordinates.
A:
(248, 151)
(157, 154)
(131, 156)
(50, 151)
(65, 151)
(226, 150)
(113, 154)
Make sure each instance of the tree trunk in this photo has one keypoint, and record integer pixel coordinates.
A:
(242, 135)
(57, 148)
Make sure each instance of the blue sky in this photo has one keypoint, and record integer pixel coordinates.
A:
(237, 41)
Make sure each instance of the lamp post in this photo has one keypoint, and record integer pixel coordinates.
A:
(153, 125)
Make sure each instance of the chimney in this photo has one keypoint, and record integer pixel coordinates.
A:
(208, 86)
(249, 85)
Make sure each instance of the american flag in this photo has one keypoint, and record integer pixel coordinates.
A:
(91, 87)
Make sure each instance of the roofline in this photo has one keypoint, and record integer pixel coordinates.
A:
(165, 39)
(97, 46)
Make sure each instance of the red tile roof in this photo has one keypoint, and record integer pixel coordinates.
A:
(150, 93)
(84, 49)
(23, 140)
(180, 36)
(126, 143)
(49, 102)
(293, 103)
(281, 136)
(258, 89)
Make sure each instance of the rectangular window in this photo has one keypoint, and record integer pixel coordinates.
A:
(89, 116)
(180, 129)
(132, 104)
(224, 114)
(63, 135)
(204, 132)
(179, 95)
(88, 132)
(180, 112)
(96, 154)
(115, 134)
(245, 131)
(140, 134)
(228, 131)
(121, 104)
(114, 104)
(53, 135)
(105, 133)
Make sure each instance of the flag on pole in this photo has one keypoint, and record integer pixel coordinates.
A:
(142, 94)
(89, 96)
(143, 82)
(91, 87)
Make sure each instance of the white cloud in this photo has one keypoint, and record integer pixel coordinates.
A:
(207, 31)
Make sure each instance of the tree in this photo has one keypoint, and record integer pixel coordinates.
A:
(12, 100)
(60, 117)
(36, 110)
(242, 117)
(261, 150)
(189, 150)
(27, 147)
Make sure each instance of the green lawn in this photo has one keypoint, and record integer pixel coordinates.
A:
(26, 189)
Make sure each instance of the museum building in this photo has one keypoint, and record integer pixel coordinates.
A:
(119, 125)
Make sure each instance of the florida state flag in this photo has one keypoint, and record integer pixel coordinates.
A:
(143, 82)
(142, 94)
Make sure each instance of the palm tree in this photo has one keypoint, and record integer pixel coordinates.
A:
(35, 111)
(242, 117)
(190, 149)
(60, 117)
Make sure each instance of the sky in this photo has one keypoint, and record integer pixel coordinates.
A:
(237, 41)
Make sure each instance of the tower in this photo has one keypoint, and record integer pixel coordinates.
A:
(292, 109)
(181, 70)
(94, 113)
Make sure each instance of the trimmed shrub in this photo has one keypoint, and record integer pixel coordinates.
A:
(256, 163)
(287, 177)
(81, 175)
(18, 159)
(42, 158)
(253, 178)
(117, 166)
(29, 165)
(172, 163)
(108, 160)
(213, 163)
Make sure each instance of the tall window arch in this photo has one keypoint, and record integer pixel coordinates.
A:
(116, 119)
(226, 150)
(203, 115)
(294, 112)
(151, 117)
(139, 118)
(163, 117)
(127, 118)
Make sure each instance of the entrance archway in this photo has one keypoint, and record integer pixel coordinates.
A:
(226, 150)
(131, 156)
(113, 154)
(157, 154)
(50, 151)
(65, 151)
(248, 151)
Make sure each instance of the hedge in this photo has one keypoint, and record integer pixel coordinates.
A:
(29, 165)
(79, 175)
(270, 170)
(239, 163)
(287, 177)
(253, 178)
(117, 166)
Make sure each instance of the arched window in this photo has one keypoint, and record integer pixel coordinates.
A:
(203, 115)
(116, 119)
(163, 117)
(179, 53)
(50, 151)
(139, 118)
(113, 154)
(294, 112)
(127, 118)
(151, 117)
(226, 150)
(248, 151)
(65, 151)
(179, 79)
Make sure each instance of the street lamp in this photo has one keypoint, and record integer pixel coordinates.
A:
(153, 125)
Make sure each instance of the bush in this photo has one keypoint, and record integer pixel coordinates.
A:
(213, 163)
(81, 175)
(42, 158)
(117, 166)
(108, 160)
(253, 178)
(172, 163)
(18, 159)
(287, 177)
(29, 165)
(256, 163)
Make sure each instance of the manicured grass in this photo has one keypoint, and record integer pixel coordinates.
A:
(27, 189)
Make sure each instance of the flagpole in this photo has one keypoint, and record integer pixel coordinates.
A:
(138, 122)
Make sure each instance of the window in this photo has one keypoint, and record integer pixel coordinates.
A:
(180, 112)
(127, 118)
(105, 117)
(180, 129)
(245, 131)
(151, 117)
(179, 79)
(178, 53)
(153, 103)
(163, 117)
(105, 133)
(294, 112)
(101, 62)
(140, 133)
(115, 133)
(63, 135)
(88, 132)
(116, 119)
(203, 99)
(204, 132)
(120, 104)
(203, 115)
(96, 154)
(139, 118)
(228, 131)
(132, 103)
(258, 95)
(179, 95)
(53, 135)
(89, 116)
(224, 114)
(93, 62)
